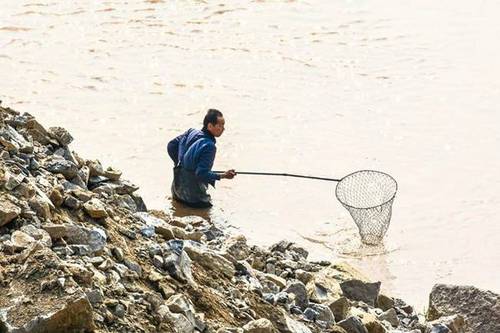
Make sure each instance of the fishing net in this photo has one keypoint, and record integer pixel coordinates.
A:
(368, 196)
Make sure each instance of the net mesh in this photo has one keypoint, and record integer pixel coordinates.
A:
(368, 196)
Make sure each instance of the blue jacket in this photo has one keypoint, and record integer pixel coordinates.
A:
(195, 151)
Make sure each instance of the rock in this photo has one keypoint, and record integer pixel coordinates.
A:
(60, 165)
(181, 304)
(209, 259)
(324, 313)
(440, 328)
(38, 234)
(280, 282)
(298, 289)
(95, 168)
(126, 201)
(41, 207)
(112, 174)
(61, 135)
(177, 262)
(177, 320)
(324, 286)
(303, 276)
(8, 210)
(66, 314)
(294, 326)
(118, 253)
(20, 240)
(56, 197)
(13, 180)
(237, 247)
(361, 291)
(311, 314)
(259, 326)
(353, 325)
(340, 308)
(455, 323)
(72, 202)
(95, 296)
(95, 208)
(479, 308)
(390, 316)
(384, 302)
(13, 141)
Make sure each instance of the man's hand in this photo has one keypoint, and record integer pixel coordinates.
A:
(229, 174)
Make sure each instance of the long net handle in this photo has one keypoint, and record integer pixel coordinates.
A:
(281, 174)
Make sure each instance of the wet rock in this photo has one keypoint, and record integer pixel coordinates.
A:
(353, 325)
(361, 291)
(259, 326)
(298, 289)
(479, 308)
(95, 208)
(8, 210)
(340, 308)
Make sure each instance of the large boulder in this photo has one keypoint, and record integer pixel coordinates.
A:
(480, 308)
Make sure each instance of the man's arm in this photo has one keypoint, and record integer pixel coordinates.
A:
(206, 161)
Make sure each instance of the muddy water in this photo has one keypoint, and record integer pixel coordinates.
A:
(319, 87)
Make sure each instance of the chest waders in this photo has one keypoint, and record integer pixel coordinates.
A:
(187, 188)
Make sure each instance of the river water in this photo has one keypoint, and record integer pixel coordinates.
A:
(322, 88)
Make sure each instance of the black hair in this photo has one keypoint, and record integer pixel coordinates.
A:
(211, 118)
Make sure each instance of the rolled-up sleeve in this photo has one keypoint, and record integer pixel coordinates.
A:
(206, 161)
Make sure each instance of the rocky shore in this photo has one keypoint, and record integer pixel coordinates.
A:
(80, 252)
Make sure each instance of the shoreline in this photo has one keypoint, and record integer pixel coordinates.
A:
(79, 251)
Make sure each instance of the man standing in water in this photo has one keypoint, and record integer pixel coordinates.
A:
(193, 154)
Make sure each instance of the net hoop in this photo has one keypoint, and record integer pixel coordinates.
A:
(366, 171)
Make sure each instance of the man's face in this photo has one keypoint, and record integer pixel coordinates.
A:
(218, 128)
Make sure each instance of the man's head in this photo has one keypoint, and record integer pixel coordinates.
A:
(214, 122)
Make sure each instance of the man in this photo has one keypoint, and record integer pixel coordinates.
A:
(193, 154)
